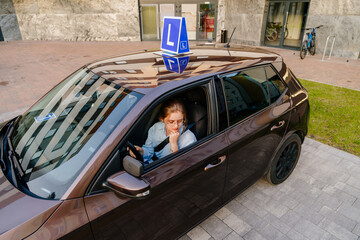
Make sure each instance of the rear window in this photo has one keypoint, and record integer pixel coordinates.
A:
(246, 93)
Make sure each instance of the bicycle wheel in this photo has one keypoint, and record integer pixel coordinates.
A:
(271, 34)
(303, 49)
(312, 48)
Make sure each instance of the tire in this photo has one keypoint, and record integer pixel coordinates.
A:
(271, 34)
(312, 48)
(303, 49)
(285, 160)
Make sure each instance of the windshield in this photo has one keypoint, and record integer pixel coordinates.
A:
(55, 139)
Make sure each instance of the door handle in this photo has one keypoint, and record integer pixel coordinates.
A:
(219, 161)
(278, 125)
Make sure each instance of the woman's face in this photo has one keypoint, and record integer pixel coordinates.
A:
(173, 122)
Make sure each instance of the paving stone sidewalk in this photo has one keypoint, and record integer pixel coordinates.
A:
(320, 200)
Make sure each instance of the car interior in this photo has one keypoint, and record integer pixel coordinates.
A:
(197, 108)
(195, 102)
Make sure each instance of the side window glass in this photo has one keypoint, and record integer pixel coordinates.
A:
(246, 93)
(276, 86)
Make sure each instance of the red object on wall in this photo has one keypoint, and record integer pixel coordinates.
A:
(210, 22)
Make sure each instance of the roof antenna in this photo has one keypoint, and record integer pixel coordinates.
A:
(228, 44)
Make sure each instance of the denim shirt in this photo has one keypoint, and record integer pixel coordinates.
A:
(157, 134)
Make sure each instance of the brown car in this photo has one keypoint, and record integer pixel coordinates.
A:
(66, 165)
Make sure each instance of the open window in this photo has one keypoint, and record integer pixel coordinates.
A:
(197, 103)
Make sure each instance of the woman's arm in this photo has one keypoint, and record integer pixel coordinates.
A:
(186, 139)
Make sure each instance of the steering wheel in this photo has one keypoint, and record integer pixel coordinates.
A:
(135, 151)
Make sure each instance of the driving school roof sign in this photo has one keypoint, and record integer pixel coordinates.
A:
(174, 37)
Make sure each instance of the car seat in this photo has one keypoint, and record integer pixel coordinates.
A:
(197, 119)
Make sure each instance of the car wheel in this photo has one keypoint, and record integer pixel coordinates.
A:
(303, 50)
(271, 34)
(285, 160)
(312, 49)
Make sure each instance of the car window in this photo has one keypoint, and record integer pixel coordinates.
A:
(246, 93)
(276, 86)
(150, 129)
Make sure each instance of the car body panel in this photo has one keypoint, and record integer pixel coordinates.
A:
(20, 214)
(69, 220)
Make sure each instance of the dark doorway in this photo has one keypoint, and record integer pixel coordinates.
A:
(1, 36)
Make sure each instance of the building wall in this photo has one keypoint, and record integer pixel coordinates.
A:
(340, 18)
(97, 20)
(246, 15)
(8, 21)
(89, 20)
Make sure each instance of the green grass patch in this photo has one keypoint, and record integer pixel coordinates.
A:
(334, 116)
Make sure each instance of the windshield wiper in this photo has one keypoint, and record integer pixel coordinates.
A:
(16, 170)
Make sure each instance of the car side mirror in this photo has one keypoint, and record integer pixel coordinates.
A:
(127, 185)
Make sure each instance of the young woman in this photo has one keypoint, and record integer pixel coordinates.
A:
(172, 124)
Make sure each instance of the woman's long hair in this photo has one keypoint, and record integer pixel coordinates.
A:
(171, 106)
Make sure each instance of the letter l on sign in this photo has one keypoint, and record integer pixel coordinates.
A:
(168, 37)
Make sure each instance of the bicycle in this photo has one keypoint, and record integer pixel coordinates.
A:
(309, 42)
(273, 31)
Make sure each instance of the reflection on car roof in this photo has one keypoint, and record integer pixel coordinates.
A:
(146, 69)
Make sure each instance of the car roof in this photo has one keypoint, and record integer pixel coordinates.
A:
(145, 70)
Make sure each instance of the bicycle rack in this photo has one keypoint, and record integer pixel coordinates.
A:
(332, 46)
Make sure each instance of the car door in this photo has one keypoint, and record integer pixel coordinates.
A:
(258, 106)
(184, 189)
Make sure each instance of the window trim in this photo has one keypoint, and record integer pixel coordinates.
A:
(281, 79)
(216, 103)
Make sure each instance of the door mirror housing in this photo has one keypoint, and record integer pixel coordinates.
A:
(127, 185)
(133, 166)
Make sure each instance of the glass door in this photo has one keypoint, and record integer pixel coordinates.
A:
(207, 22)
(166, 10)
(149, 22)
(274, 23)
(285, 23)
(295, 23)
(189, 12)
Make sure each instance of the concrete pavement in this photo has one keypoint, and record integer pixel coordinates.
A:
(320, 200)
